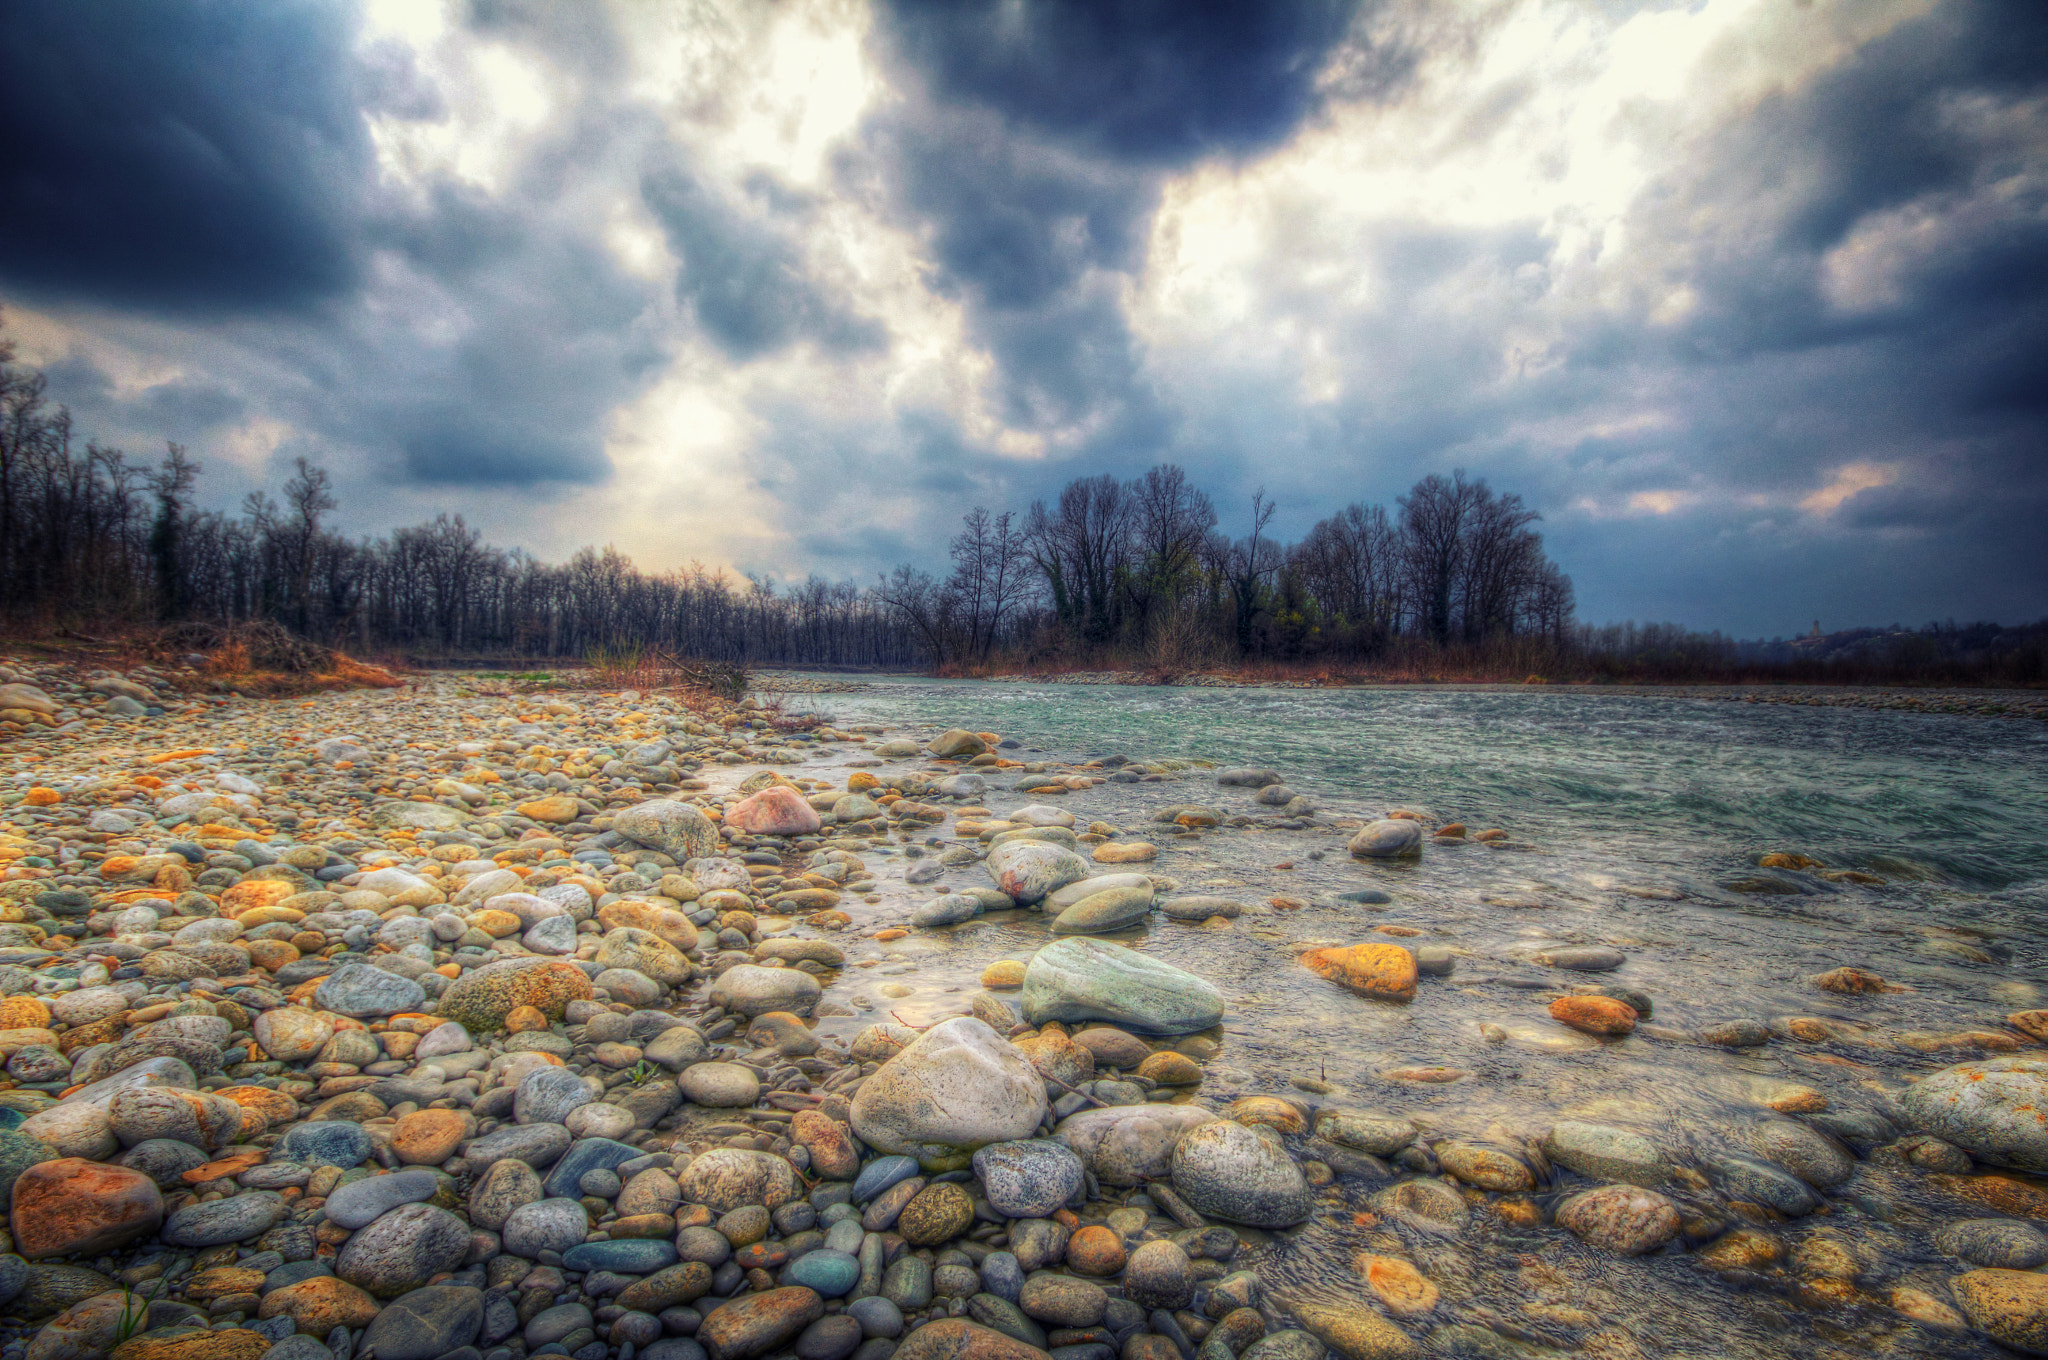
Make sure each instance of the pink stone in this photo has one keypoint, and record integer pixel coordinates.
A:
(774, 811)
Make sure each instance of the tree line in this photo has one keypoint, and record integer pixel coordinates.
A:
(1139, 571)
(1133, 572)
(1452, 581)
(89, 537)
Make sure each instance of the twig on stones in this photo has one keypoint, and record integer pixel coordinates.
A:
(1178, 1209)
(1098, 1104)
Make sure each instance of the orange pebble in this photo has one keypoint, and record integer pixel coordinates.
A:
(1594, 1014)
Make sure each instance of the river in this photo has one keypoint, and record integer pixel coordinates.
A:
(1632, 823)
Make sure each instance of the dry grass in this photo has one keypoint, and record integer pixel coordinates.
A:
(263, 660)
(651, 669)
(258, 659)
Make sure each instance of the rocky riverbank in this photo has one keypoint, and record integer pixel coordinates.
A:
(441, 1025)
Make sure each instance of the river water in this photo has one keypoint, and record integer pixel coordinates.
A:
(1635, 823)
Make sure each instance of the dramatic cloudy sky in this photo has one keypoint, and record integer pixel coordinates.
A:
(1746, 296)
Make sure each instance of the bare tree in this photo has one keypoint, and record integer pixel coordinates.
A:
(1081, 547)
(309, 494)
(1251, 562)
(1433, 518)
(989, 582)
(172, 483)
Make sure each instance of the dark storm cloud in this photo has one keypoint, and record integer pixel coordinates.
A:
(1906, 121)
(189, 156)
(1868, 255)
(743, 274)
(1031, 148)
(1158, 82)
(1918, 155)
(182, 410)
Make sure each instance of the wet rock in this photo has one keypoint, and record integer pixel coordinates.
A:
(676, 1048)
(948, 910)
(959, 1087)
(775, 811)
(1157, 1275)
(537, 1145)
(674, 828)
(482, 998)
(1849, 981)
(2009, 1306)
(1129, 1145)
(361, 991)
(1811, 1156)
(292, 1033)
(85, 1330)
(1737, 1034)
(830, 1143)
(1388, 838)
(882, 1174)
(402, 1250)
(1096, 1250)
(831, 1274)
(1058, 1057)
(326, 1143)
(546, 1095)
(545, 1225)
(221, 1221)
(584, 1156)
(1110, 909)
(1487, 1168)
(1605, 1154)
(141, 1113)
(1582, 958)
(427, 1324)
(668, 1288)
(1745, 1178)
(71, 1207)
(194, 1343)
(1198, 908)
(1383, 972)
(1029, 871)
(1089, 979)
(748, 990)
(1401, 1289)
(936, 1214)
(1356, 1333)
(1030, 1178)
(363, 1202)
(507, 1184)
(1226, 1169)
(1987, 1108)
(73, 1130)
(554, 1324)
(53, 1288)
(726, 1178)
(1600, 1015)
(720, 1085)
(1378, 1135)
(1062, 1300)
(1626, 1220)
(2001, 1243)
(755, 1324)
(165, 1161)
(959, 1339)
(621, 1256)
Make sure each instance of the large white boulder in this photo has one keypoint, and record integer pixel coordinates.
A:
(959, 1087)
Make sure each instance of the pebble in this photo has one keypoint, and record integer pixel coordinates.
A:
(274, 980)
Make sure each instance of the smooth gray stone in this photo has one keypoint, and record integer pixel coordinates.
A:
(221, 1221)
(427, 1324)
(363, 1202)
